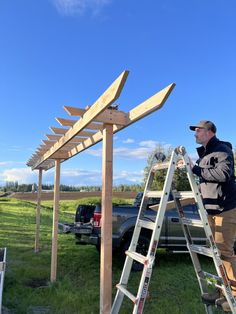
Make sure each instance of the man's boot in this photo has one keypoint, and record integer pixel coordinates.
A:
(223, 303)
(211, 297)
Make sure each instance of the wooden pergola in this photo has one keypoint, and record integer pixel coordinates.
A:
(91, 125)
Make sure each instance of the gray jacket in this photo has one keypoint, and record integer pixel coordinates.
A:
(215, 169)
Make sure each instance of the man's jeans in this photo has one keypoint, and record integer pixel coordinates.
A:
(223, 227)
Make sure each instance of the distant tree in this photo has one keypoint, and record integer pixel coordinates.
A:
(180, 180)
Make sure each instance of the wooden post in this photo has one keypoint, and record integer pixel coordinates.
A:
(38, 210)
(55, 220)
(106, 228)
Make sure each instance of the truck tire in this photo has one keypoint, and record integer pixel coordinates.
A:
(142, 248)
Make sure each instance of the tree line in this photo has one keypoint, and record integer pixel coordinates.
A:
(180, 181)
(11, 186)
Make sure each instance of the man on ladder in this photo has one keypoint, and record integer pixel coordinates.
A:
(215, 169)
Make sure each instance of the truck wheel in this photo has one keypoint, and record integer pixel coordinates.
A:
(142, 248)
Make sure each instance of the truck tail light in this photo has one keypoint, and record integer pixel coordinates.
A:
(97, 219)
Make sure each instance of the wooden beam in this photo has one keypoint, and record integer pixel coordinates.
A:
(58, 130)
(92, 126)
(62, 154)
(66, 122)
(108, 116)
(55, 221)
(38, 211)
(66, 147)
(104, 101)
(42, 150)
(53, 137)
(150, 105)
(48, 143)
(50, 165)
(106, 228)
(72, 111)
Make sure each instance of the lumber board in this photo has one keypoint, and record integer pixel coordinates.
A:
(152, 104)
(105, 100)
(111, 116)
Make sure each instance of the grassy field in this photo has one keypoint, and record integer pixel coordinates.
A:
(173, 289)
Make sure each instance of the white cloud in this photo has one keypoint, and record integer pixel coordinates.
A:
(22, 175)
(132, 153)
(124, 152)
(76, 177)
(81, 177)
(78, 7)
(149, 144)
(147, 147)
(128, 141)
(124, 176)
(94, 152)
(9, 163)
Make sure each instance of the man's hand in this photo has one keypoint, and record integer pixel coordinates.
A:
(190, 163)
(180, 163)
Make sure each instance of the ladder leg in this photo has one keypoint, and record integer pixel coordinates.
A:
(148, 260)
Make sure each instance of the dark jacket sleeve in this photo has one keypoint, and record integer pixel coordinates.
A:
(221, 171)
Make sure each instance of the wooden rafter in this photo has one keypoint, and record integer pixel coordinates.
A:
(52, 137)
(108, 116)
(145, 108)
(66, 122)
(104, 101)
(78, 135)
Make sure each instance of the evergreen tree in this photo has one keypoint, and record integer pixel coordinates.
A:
(180, 180)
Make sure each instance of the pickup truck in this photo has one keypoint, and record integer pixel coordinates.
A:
(87, 227)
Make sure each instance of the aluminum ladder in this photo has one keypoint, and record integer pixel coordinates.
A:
(180, 198)
(2, 272)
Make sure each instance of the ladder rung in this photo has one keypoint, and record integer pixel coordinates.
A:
(208, 275)
(137, 257)
(183, 194)
(178, 194)
(146, 224)
(159, 166)
(155, 194)
(171, 204)
(192, 222)
(126, 292)
(201, 250)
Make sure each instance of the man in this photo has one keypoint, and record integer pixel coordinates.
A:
(215, 169)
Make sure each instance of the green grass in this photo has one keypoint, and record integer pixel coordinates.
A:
(173, 288)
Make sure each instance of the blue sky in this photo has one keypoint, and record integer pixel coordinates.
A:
(67, 52)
